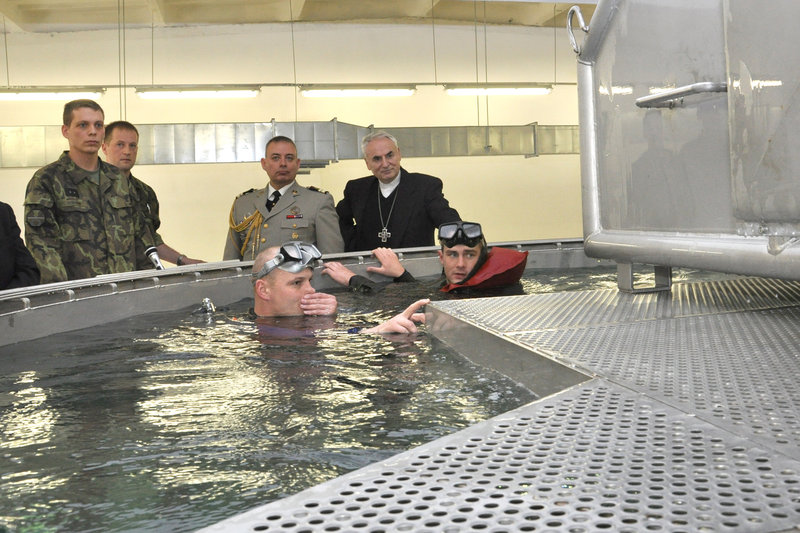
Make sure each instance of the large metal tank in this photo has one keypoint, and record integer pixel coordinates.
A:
(688, 112)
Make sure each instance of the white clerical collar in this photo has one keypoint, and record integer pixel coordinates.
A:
(388, 188)
(282, 190)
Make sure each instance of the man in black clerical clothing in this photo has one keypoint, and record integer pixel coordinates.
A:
(392, 208)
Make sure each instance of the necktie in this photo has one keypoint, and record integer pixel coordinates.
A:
(273, 200)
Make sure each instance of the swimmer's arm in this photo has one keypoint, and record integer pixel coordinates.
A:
(344, 276)
(405, 322)
(338, 272)
(390, 266)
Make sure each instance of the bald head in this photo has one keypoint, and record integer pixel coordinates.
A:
(264, 256)
(279, 293)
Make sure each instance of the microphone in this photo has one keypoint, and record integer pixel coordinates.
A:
(152, 255)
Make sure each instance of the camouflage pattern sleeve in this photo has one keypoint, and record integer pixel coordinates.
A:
(147, 201)
(145, 234)
(42, 232)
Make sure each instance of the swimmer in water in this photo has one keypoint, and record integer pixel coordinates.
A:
(282, 287)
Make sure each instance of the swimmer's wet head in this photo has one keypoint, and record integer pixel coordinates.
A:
(293, 257)
(463, 250)
(281, 279)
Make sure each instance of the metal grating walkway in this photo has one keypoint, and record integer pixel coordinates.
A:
(689, 420)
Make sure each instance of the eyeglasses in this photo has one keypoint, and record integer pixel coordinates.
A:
(467, 233)
(293, 257)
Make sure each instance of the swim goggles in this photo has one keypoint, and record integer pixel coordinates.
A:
(466, 233)
(293, 257)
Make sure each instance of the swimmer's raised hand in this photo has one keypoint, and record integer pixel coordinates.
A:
(338, 272)
(405, 322)
(319, 303)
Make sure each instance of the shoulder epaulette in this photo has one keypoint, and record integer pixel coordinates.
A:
(246, 192)
(316, 189)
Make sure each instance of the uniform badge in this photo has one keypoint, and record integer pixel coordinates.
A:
(294, 213)
(35, 218)
(72, 193)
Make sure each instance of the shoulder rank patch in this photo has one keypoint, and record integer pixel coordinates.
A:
(316, 189)
(35, 218)
(246, 192)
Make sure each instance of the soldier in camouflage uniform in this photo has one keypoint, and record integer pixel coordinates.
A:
(80, 213)
(120, 146)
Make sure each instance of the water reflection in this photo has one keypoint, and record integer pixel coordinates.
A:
(175, 421)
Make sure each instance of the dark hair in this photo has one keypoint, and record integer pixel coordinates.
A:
(279, 139)
(119, 125)
(69, 107)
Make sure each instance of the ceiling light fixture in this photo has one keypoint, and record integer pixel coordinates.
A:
(18, 94)
(498, 89)
(173, 92)
(356, 90)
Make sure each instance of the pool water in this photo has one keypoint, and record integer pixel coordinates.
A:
(172, 422)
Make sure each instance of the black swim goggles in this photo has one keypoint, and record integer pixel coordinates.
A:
(466, 233)
(293, 257)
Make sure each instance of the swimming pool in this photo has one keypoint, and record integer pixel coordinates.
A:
(178, 420)
(174, 421)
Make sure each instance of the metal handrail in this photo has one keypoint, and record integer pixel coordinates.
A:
(670, 97)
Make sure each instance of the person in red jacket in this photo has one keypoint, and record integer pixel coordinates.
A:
(467, 262)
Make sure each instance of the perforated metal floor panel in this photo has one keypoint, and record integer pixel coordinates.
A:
(690, 422)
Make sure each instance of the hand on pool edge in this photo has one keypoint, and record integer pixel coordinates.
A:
(404, 322)
(338, 272)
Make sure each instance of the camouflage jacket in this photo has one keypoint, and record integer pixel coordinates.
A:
(148, 205)
(76, 229)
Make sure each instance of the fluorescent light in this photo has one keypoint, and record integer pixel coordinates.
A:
(173, 92)
(50, 93)
(355, 90)
(501, 89)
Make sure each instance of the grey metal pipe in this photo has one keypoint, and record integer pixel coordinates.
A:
(670, 98)
(722, 253)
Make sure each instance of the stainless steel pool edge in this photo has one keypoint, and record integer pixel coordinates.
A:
(595, 457)
(535, 371)
(313, 501)
(39, 311)
(98, 303)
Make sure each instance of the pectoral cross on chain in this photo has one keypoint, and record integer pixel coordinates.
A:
(384, 235)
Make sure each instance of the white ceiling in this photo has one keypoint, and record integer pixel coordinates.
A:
(71, 15)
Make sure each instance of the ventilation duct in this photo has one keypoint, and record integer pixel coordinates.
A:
(318, 143)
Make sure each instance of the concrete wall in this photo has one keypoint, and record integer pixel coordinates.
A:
(514, 197)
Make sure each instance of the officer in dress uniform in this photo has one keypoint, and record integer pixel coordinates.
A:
(283, 211)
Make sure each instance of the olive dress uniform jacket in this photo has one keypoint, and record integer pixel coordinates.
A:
(420, 209)
(301, 214)
(76, 229)
(17, 267)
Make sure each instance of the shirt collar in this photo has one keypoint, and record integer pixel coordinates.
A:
(388, 188)
(282, 190)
